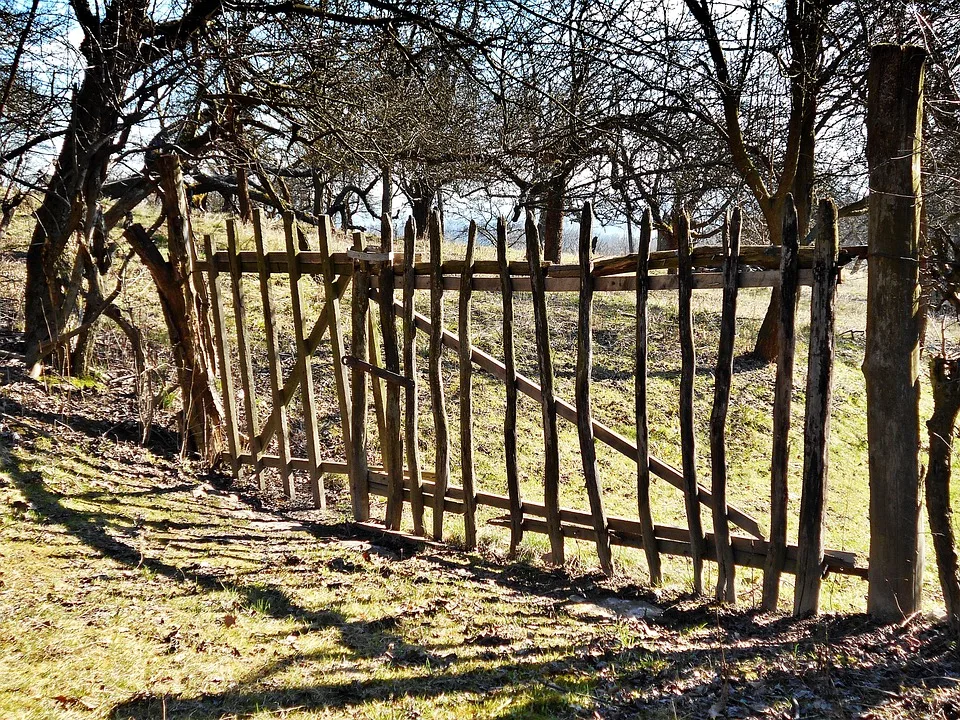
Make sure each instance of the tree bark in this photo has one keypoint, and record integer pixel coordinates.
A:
(891, 362)
(945, 379)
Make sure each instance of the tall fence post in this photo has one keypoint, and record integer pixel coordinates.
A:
(359, 398)
(688, 360)
(726, 569)
(548, 404)
(640, 405)
(588, 449)
(510, 384)
(782, 402)
(816, 433)
(466, 396)
(411, 427)
(891, 361)
(440, 422)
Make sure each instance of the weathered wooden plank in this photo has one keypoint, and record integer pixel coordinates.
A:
(379, 401)
(393, 458)
(642, 419)
(273, 358)
(588, 450)
(816, 433)
(359, 398)
(726, 569)
(466, 395)
(764, 257)
(782, 401)
(509, 377)
(304, 368)
(548, 400)
(411, 408)
(341, 384)
(222, 345)
(441, 431)
(243, 353)
(688, 360)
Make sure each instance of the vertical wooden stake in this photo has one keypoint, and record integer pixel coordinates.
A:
(304, 366)
(276, 372)
(782, 400)
(551, 441)
(643, 433)
(688, 360)
(588, 450)
(411, 409)
(442, 461)
(393, 459)
(359, 308)
(816, 432)
(379, 401)
(223, 357)
(466, 396)
(341, 384)
(243, 352)
(726, 569)
(510, 383)
(891, 364)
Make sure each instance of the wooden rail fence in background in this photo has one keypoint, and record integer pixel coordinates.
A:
(375, 273)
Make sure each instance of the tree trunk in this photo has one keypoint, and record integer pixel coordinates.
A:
(891, 362)
(179, 291)
(552, 218)
(945, 379)
(80, 170)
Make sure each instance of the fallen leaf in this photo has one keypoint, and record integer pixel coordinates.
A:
(229, 620)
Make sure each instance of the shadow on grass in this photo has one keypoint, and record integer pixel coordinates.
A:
(542, 688)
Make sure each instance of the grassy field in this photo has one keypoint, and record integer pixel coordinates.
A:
(133, 586)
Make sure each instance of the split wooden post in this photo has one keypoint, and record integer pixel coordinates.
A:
(243, 353)
(223, 356)
(548, 404)
(393, 459)
(510, 385)
(359, 399)
(588, 449)
(331, 293)
(273, 356)
(726, 568)
(304, 366)
(441, 430)
(375, 358)
(643, 432)
(816, 434)
(688, 367)
(782, 401)
(411, 410)
(892, 358)
(466, 396)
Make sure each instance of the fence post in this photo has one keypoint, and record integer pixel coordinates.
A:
(816, 433)
(243, 352)
(688, 359)
(466, 396)
(411, 426)
(392, 458)
(588, 449)
(273, 358)
(726, 568)
(510, 383)
(891, 361)
(442, 435)
(782, 401)
(359, 399)
(640, 391)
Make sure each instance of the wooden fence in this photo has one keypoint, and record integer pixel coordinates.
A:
(375, 275)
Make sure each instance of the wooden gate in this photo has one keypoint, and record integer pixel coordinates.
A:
(375, 274)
